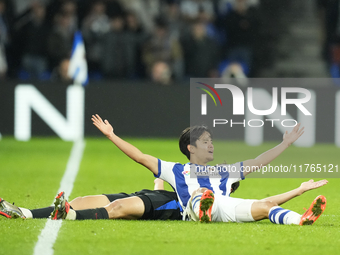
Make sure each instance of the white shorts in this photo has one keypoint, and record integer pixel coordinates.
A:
(230, 209)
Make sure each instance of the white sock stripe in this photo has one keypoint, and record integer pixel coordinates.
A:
(275, 213)
(272, 213)
(195, 201)
(279, 215)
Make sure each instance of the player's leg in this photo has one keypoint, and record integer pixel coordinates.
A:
(259, 209)
(145, 204)
(268, 208)
(279, 215)
(126, 208)
(160, 205)
(255, 210)
(89, 202)
(131, 208)
(79, 203)
(251, 210)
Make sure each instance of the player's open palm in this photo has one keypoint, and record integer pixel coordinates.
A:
(104, 126)
(291, 137)
(311, 184)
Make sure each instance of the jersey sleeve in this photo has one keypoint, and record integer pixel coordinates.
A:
(165, 171)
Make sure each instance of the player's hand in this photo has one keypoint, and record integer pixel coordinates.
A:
(104, 126)
(291, 137)
(311, 184)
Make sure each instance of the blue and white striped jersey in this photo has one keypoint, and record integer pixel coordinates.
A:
(178, 176)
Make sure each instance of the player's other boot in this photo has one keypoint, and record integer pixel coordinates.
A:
(206, 203)
(61, 207)
(10, 211)
(314, 211)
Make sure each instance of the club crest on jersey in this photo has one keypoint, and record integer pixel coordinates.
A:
(186, 172)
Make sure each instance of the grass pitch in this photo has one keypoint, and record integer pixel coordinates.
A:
(31, 174)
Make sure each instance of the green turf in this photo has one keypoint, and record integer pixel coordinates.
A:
(31, 174)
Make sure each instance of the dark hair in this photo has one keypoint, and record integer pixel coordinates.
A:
(189, 136)
(234, 186)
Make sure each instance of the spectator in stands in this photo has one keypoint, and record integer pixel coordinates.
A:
(118, 51)
(191, 9)
(69, 8)
(133, 24)
(35, 32)
(61, 6)
(60, 40)
(161, 73)
(241, 26)
(201, 53)
(95, 25)
(137, 31)
(162, 47)
(60, 72)
(147, 11)
(201, 11)
(172, 14)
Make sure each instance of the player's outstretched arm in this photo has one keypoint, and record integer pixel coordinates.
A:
(105, 127)
(268, 156)
(305, 186)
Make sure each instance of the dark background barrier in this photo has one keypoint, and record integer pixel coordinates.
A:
(133, 108)
(145, 109)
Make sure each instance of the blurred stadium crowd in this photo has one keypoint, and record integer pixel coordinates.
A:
(133, 39)
(329, 13)
(162, 40)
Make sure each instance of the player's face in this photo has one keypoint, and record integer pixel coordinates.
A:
(204, 149)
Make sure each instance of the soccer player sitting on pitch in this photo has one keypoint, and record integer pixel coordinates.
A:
(144, 205)
(196, 144)
(157, 204)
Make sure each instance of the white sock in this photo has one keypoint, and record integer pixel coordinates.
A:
(279, 215)
(27, 213)
(71, 215)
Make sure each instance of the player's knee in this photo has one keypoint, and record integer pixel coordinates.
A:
(260, 209)
(115, 209)
(267, 205)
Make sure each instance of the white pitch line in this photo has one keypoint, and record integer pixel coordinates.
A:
(49, 234)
